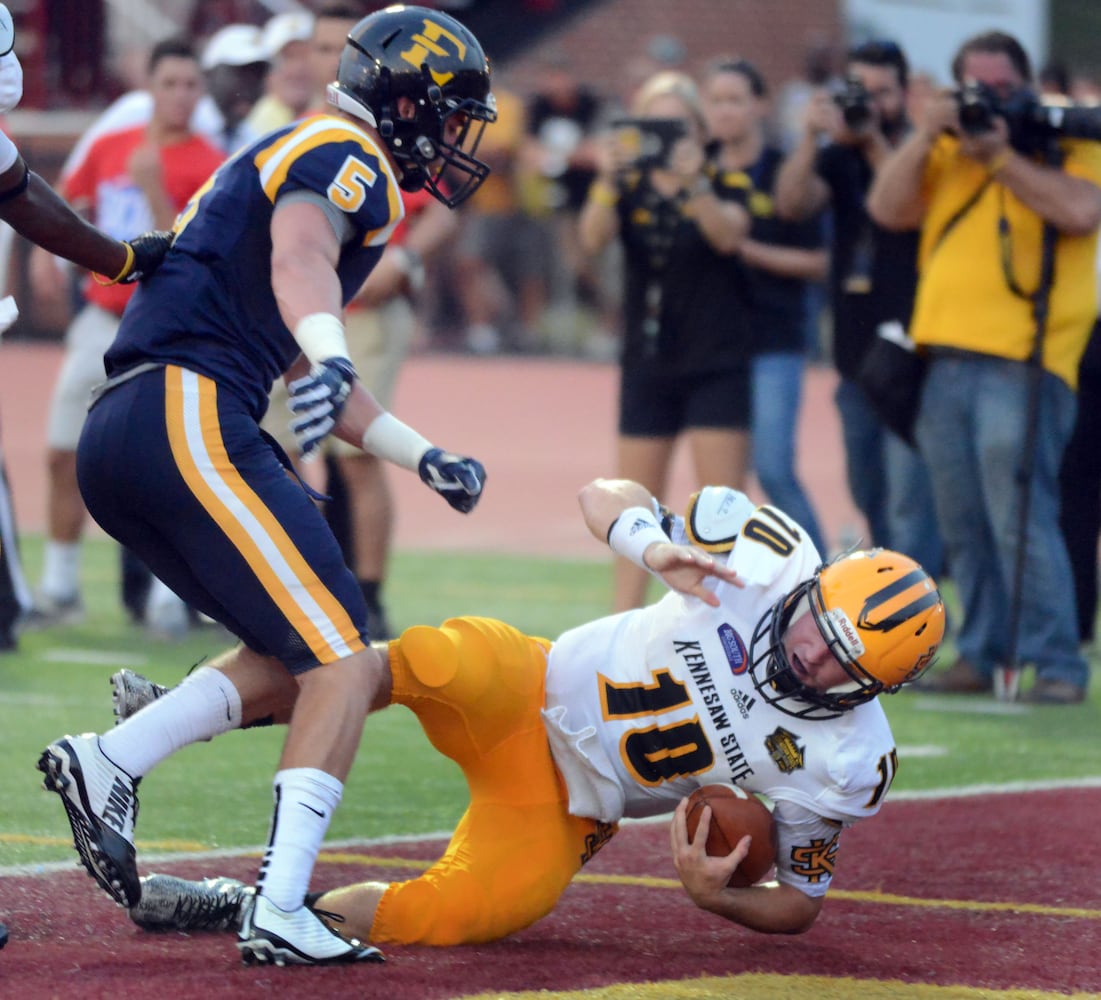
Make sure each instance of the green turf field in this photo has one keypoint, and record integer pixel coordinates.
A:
(218, 795)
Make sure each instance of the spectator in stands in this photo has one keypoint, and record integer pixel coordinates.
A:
(873, 274)
(779, 257)
(501, 259)
(684, 367)
(234, 64)
(129, 181)
(291, 89)
(563, 118)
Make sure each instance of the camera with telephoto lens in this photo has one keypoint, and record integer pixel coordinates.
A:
(1034, 126)
(854, 102)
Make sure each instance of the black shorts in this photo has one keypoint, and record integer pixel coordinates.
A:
(654, 404)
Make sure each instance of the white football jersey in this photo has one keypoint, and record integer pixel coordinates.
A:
(645, 706)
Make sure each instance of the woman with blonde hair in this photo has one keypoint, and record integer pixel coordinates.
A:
(684, 363)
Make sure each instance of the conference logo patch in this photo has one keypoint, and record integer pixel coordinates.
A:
(734, 649)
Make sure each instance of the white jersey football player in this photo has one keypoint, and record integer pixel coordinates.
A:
(760, 668)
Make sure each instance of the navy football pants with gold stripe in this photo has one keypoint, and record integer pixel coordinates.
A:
(175, 468)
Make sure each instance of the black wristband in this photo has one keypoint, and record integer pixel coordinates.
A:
(15, 192)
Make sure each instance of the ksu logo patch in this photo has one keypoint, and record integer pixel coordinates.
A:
(734, 648)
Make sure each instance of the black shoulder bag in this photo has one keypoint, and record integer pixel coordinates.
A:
(892, 372)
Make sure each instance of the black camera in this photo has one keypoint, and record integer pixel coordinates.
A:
(854, 102)
(1033, 125)
(649, 142)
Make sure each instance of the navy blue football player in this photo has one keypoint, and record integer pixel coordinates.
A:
(172, 462)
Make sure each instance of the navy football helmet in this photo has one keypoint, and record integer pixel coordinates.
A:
(431, 59)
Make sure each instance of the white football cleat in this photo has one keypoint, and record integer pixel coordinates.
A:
(101, 802)
(299, 937)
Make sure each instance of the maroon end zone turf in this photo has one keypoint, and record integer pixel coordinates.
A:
(973, 854)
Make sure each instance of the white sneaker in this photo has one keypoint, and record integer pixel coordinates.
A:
(101, 802)
(272, 935)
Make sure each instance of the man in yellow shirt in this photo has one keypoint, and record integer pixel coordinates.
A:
(982, 199)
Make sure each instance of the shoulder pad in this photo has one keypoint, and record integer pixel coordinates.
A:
(715, 516)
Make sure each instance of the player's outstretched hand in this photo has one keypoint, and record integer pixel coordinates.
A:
(686, 569)
(317, 400)
(149, 251)
(459, 480)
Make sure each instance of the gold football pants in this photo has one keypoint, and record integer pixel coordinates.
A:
(477, 686)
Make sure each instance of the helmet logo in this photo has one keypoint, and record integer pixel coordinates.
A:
(427, 42)
(846, 631)
(914, 591)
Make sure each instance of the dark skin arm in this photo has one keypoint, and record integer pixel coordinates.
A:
(42, 216)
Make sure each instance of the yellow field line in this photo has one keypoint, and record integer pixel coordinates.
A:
(777, 986)
(645, 881)
(191, 846)
(649, 882)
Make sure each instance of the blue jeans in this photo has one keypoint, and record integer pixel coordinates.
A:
(972, 428)
(777, 388)
(888, 482)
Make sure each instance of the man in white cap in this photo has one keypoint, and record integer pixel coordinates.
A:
(291, 89)
(235, 63)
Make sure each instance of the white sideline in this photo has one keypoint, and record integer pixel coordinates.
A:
(965, 791)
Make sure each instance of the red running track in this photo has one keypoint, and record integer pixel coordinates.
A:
(542, 427)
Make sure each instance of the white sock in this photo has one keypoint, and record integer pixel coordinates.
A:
(204, 705)
(305, 799)
(60, 570)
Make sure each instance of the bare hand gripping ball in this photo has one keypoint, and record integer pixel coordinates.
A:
(735, 813)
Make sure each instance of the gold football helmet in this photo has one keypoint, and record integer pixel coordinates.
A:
(880, 614)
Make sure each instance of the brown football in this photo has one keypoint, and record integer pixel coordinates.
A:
(734, 813)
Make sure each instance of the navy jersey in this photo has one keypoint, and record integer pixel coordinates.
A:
(210, 306)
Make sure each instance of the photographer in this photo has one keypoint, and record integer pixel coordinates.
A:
(986, 207)
(872, 280)
(684, 364)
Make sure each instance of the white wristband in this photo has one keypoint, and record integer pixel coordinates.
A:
(321, 336)
(389, 438)
(634, 531)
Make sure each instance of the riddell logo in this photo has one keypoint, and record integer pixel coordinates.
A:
(845, 629)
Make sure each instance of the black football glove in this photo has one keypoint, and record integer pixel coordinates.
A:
(457, 479)
(318, 399)
(149, 250)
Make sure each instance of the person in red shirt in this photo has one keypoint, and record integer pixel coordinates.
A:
(128, 182)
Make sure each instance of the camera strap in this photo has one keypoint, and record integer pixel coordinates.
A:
(958, 215)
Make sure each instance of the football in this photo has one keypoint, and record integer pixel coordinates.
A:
(734, 813)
